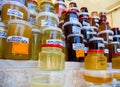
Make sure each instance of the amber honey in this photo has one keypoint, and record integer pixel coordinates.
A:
(13, 10)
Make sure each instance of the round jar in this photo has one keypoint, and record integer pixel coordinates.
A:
(45, 19)
(13, 10)
(18, 45)
(36, 42)
(96, 43)
(106, 34)
(51, 58)
(2, 39)
(71, 28)
(52, 35)
(75, 47)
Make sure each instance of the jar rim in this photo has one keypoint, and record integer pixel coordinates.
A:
(95, 50)
(52, 45)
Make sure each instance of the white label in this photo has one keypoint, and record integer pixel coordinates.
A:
(86, 49)
(88, 32)
(101, 45)
(110, 37)
(106, 51)
(14, 12)
(17, 39)
(48, 23)
(86, 23)
(76, 30)
(2, 34)
(77, 46)
(118, 50)
(73, 19)
(55, 41)
(32, 20)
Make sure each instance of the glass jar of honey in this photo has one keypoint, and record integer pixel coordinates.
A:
(51, 58)
(52, 35)
(95, 60)
(2, 39)
(18, 45)
(36, 42)
(13, 10)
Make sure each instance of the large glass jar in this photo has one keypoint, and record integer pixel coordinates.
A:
(2, 39)
(18, 45)
(51, 57)
(95, 60)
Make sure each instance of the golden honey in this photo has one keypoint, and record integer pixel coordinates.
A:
(13, 10)
(18, 45)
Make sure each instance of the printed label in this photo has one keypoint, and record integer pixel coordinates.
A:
(2, 34)
(73, 19)
(19, 48)
(48, 23)
(110, 37)
(86, 49)
(106, 51)
(118, 50)
(32, 7)
(32, 20)
(14, 12)
(76, 30)
(18, 39)
(55, 41)
(88, 32)
(80, 53)
(77, 46)
(101, 45)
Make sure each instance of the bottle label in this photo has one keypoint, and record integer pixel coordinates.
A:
(32, 7)
(2, 34)
(19, 44)
(80, 53)
(55, 41)
(110, 37)
(102, 62)
(106, 51)
(73, 19)
(77, 46)
(48, 23)
(86, 49)
(75, 30)
(14, 12)
(118, 50)
(101, 45)
(32, 20)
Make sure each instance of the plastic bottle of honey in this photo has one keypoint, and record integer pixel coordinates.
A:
(51, 58)
(18, 45)
(95, 60)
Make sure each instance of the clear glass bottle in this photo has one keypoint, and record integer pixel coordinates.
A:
(51, 58)
(95, 60)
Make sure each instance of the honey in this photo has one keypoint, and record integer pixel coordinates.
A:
(13, 10)
(18, 45)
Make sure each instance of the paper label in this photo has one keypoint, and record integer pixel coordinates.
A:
(75, 30)
(55, 41)
(86, 49)
(78, 46)
(73, 19)
(14, 12)
(2, 34)
(80, 53)
(101, 45)
(106, 51)
(48, 23)
(32, 20)
(110, 37)
(118, 50)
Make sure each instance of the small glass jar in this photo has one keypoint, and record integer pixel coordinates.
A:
(95, 60)
(2, 39)
(18, 45)
(36, 42)
(51, 57)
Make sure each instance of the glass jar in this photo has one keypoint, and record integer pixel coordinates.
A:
(18, 45)
(95, 60)
(51, 57)
(2, 39)
(75, 48)
(36, 42)
(13, 10)
(116, 61)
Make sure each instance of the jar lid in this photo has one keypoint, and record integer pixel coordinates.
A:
(16, 21)
(15, 3)
(52, 28)
(36, 30)
(2, 24)
(72, 35)
(71, 22)
(96, 50)
(106, 31)
(52, 45)
(96, 38)
(48, 14)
